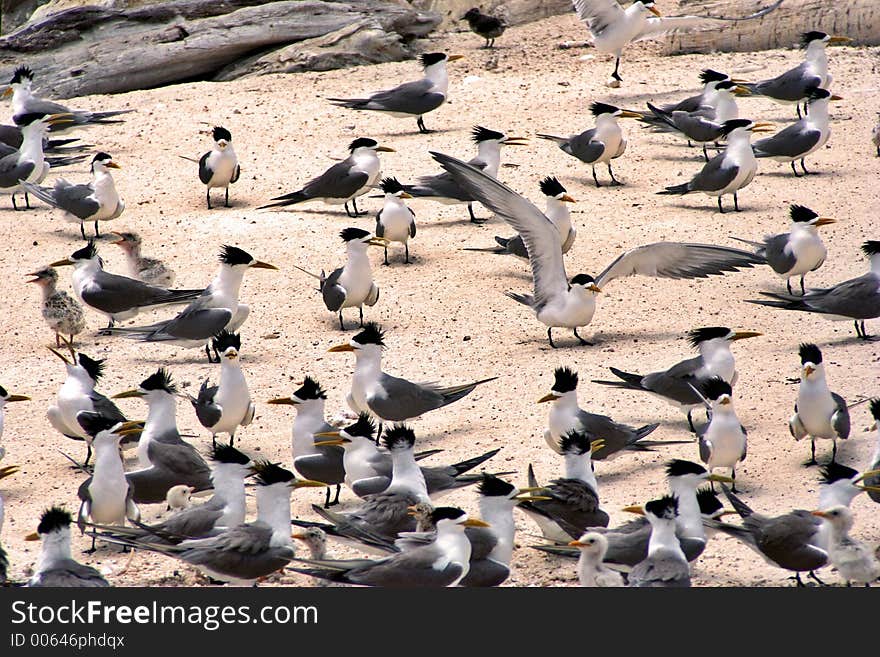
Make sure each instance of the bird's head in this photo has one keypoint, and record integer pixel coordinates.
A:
(604, 110)
(235, 258)
(482, 136)
(817, 94)
(647, 6)
(811, 362)
(106, 430)
(40, 121)
(392, 187)
(804, 217)
(127, 241)
(584, 283)
(156, 386)
(365, 144)
(553, 189)
(664, 508)
(731, 88)
(471, 14)
(21, 77)
(687, 474)
(83, 256)
(227, 344)
(310, 390)
(399, 438)
(565, 381)
(437, 59)
(735, 127)
(222, 137)
(45, 277)
(54, 521)
(709, 76)
(6, 397)
(816, 39)
(447, 517)
(360, 239)
(369, 341)
(709, 338)
(102, 161)
(591, 543)
(718, 392)
(224, 453)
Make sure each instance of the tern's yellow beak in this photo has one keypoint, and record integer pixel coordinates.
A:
(720, 479)
(596, 445)
(339, 442)
(629, 114)
(288, 401)
(594, 288)
(840, 39)
(263, 265)
(405, 195)
(33, 536)
(819, 514)
(654, 11)
(308, 483)
(548, 398)
(452, 58)
(8, 471)
(824, 221)
(742, 335)
(378, 241)
(129, 394)
(385, 149)
(60, 355)
(515, 141)
(341, 347)
(62, 263)
(327, 434)
(634, 509)
(15, 398)
(565, 198)
(7, 92)
(473, 522)
(762, 127)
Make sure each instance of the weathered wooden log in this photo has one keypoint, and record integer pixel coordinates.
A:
(120, 50)
(513, 12)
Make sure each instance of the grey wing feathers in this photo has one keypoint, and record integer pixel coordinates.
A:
(339, 181)
(205, 172)
(105, 407)
(778, 257)
(332, 292)
(713, 176)
(598, 14)
(583, 147)
(71, 574)
(840, 418)
(661, 569)
(791, 85)
(405, 399)
(206, 410)
(792, 141)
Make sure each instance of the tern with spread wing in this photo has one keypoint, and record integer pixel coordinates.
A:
(560, 302)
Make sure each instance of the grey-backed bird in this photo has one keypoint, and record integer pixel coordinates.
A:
(94, 201)
(818, 412)
(352, 285)
(600, 144)
(666, 565)
(219, 166)
(61, 312)
(56, 568)
(149, 270)
(342, 183)
(797, 252)
(410, 99)
(856, 299)
(395, 222)
(723, 442)
(674, 384)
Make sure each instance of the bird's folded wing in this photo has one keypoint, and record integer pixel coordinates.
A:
(411, 97)
(793, 141)
(198, 324)
(339, 181)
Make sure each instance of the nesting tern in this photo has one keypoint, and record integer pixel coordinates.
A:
(592, 573)
(560, 302)
(395, 221)
(856, 299)
(151, 271)
(487, 26)
(216, 308)
(789, 541)
(219, 166)
(387, 397)
(61, 312)
(78, 393)
(411, 99)
(855, 562)
(55, 567)
(723, 442)
(25, 102)
(352, 285)
(793, 86)
(444, 188)
(116, 297)
(613, 28)
(165, 459)
(95, 201)
(344, 181)
(597, 145)
(797, 252)
(818, 413)
(729, 171)
(674, 384)
(666, 565)
(227, 406)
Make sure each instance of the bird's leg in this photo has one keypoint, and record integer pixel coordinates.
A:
(615, 74)
(614, 181)
(379, 433)
(690, 145)
(788, 285)
(213, 440)
(799, 111)
(720, 209)
(88, 454)
(27, 201)
(82, 230)
(406, 246)
(92, 549)
(354, 207)
(834, 450)
(14, 206)
(858, 332)
(327, 498)
(208, 353)
(227, 196)
(796, 174)
(806, 108)
(732, 476)
(341, 324)
(691, 422)
(474, 218)
(797, 578)
(806, 173)
(58, 340)
(736, 203)
(336, 499)
(208, 196)
(347, 211)
(584, 342)
(361, 312)
(422, 128)
(705, 154)
(550, 336)
(231, 439)
(812, 460)
(803, 290)
(386, 255)
(594, 176)
(813, 576)
(97, 234)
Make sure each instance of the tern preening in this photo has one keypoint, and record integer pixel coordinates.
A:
(486, 26)
(344, 181)
(411, 99)
(856, 299)
(55, 567)
(729, 171)
(390, 398)
(666, 564)
(597, 145)
(723, 442)
(395, 221)
(61, 312)
(677, 385)
(351, 286)
(116, 297)
(560, 302)
(95, 201)
(214, 309)
(151, 271)
(798, 252)
(613, 28)
(444, 188)
(793, 86)
(800, 139)
(219, 166)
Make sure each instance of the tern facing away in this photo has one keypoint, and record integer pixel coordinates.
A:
(560, 302)
(55, 567)
(797, 252)
(411, 99)
(62, 312)
(344, 181)
(91, 202)
(219, 167)
(598, 145)
(856, 299)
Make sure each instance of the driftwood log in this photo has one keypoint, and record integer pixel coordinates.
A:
(94, 50)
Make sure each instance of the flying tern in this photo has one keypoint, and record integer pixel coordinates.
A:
(444, 188)
(61, 312)
(55, 567)
(723, 442)
(149, 270)
(597, 145)
(219, 166)
(344, 181)
(395, 221)
(666, 565)
(91, 202)
(856, 299)
(798, 252)
(674, 384)
(411, 99)
(729, 171)
(216, 308)
(486, 26)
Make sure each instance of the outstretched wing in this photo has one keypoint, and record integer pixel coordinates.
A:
(656, 26)
(538, 233)
(598, 14)
(677, 260)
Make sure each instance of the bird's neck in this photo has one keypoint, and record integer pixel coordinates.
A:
(357, 254)
(108, 462)
(718, 358)
(490, 152)
(228, 480)
(606, 123)
(55, 548)
(368, 363)
(568, 401)
(31, 144)
(498, 512)
(579, 466)
(438, 76)
(818, 113)
(392, 201)
(739, 142)
(79, 380)
(689, 518)
(21, 94)
(875, 459)
(559, 214)
(161, 420)
(817, 56)
(48, 289)
(452, 540)
(663, 538)
(725, 107)
(406, 475)
(309, 419)
(875, 264)
(273, 508)
(227, 282)
(840, 492)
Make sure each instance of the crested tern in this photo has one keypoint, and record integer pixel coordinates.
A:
(666, 565)
(410, 99)
(219, 167)
(149, 270)
(63, 314)
(486, 26)
(95, 201)
(395, 222)
(344, 181)
(597, 145)
(723, 442)
(55, 567)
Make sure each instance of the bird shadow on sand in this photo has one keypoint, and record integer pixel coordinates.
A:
(417, 133)
(713, 209)
(786, 173)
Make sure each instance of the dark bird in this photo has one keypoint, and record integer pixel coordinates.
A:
(488, 27)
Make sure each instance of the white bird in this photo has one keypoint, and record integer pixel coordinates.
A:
(855, 561)
(344, 181)
(797, 252)
(352, 285)
(55, 567)
(723, 442)
(666, 565)
(227, 406)
(149, 270)
(179, 498)
(219, 167)
(818, 413)
(558, 301)
(28, 163)
(95, 201)
(598, 145)
(591, 572)
(395, 221)
(61, 312)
